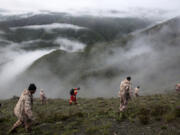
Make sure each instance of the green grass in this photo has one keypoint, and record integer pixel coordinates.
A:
(148, 115)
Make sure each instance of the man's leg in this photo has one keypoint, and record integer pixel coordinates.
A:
(70, 101)
(75, 101)
(28, 124)
(126, 99)
(42, 101)
(124, 102)
(121, 104)
(17, 124)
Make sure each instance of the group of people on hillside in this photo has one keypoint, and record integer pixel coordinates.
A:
(23, 108)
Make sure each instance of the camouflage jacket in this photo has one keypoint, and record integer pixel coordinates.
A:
(42, 95)
(23, 108)
(125, 86)
(178, 87)
(136, 90)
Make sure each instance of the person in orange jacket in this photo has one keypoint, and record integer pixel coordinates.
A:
(73, 93)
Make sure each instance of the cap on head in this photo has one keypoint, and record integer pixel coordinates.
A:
(128, 78)
(138, 87)
(32, 87)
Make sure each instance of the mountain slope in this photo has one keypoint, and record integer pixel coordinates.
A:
(148, 53)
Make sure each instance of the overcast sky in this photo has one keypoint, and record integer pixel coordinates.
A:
(64, 5)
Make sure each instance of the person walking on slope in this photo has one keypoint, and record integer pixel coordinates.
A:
(73, 93)
(23, 109)
(42, 97)
(136, 91)
(125, 93)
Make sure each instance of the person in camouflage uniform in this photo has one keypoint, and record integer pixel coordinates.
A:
(136, 91)
(125, 93)
(42, 97)
(23, 109)
(178, 87)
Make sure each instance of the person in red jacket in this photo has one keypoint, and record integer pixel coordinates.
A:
(73, 93)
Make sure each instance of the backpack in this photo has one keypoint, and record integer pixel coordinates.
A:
(72, 92)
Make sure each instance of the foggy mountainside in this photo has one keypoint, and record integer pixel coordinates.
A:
(25, 39)
(58, 51)
(90, 67)
(151, 57)
(88, 29)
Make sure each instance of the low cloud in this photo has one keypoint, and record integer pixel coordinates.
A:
(13, 62)
(70, 45)
(50, 27)
(153, 60)
(148, 8)
(2, 32)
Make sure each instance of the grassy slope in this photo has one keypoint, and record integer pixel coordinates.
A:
(147, 115)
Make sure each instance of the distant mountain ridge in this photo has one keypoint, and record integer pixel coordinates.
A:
(108, 28)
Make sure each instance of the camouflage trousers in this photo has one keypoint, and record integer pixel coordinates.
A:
(26, 123)
(43, 100)
(136, 95)
(123, 102)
